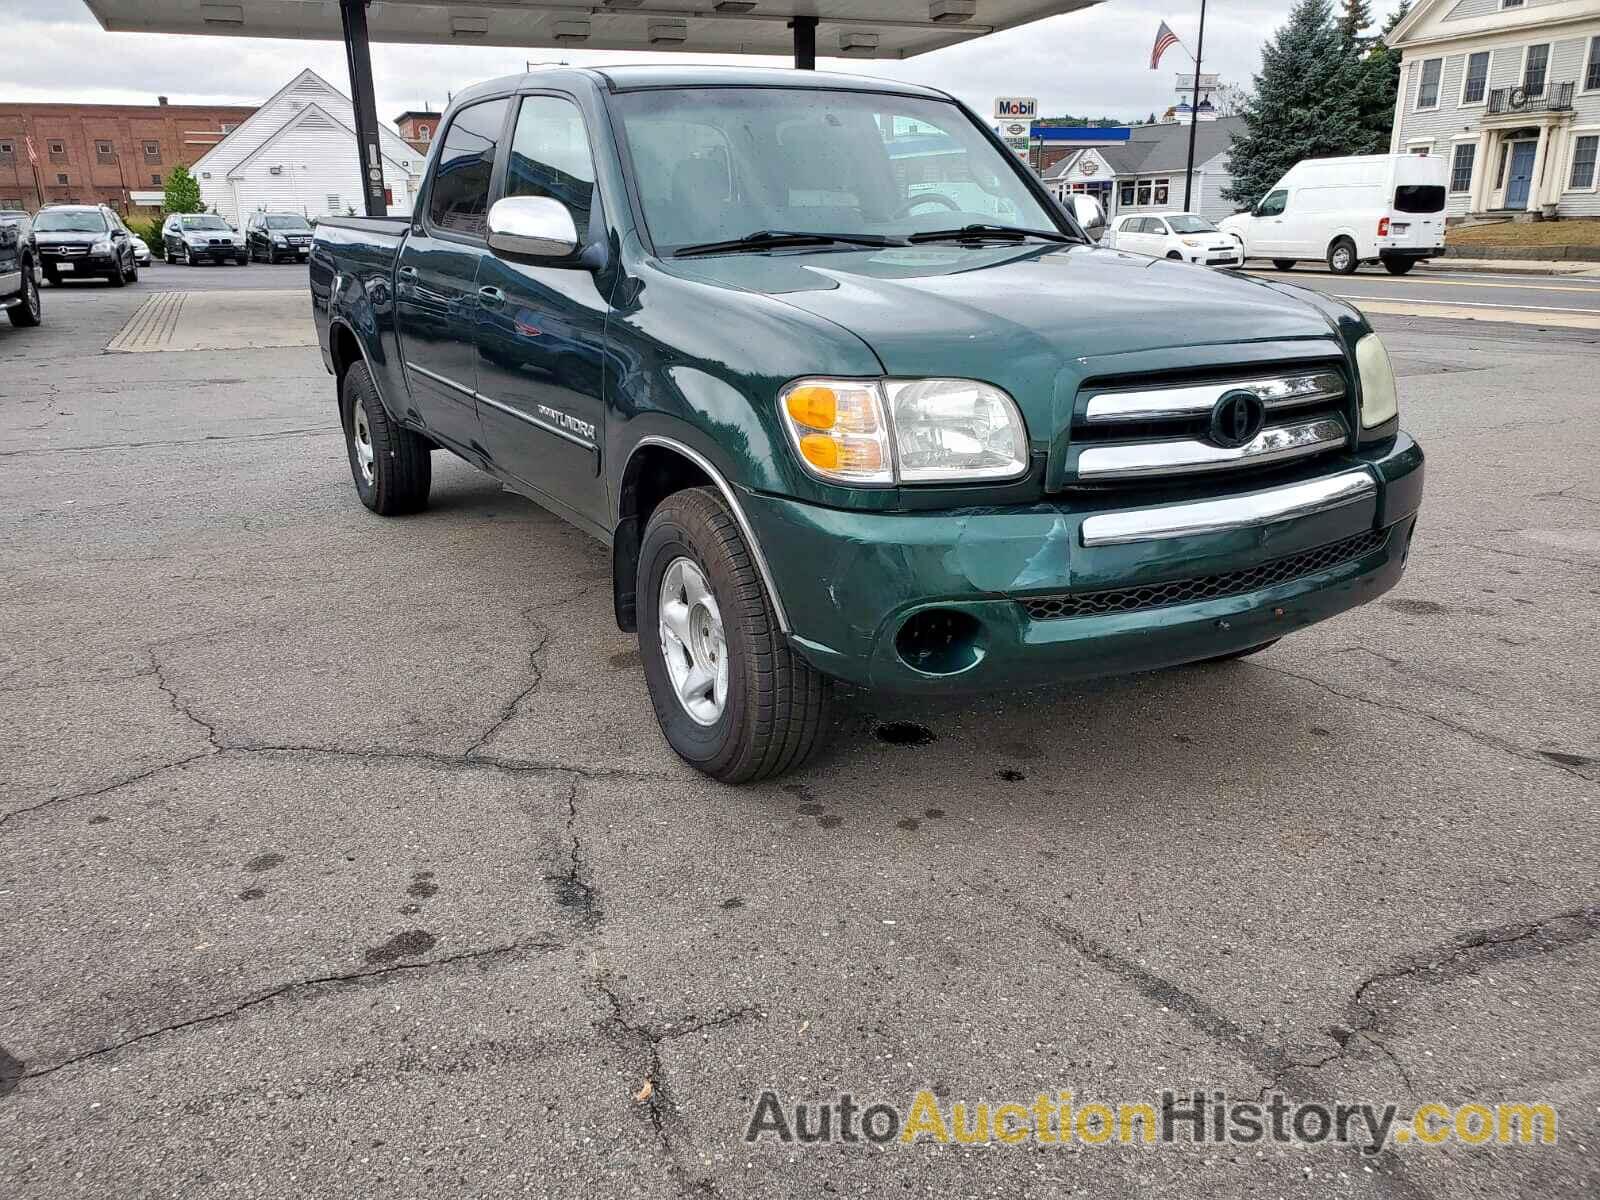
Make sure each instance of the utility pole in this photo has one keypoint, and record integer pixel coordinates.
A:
(1194, 107)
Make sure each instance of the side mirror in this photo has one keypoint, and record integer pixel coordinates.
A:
(532, 227)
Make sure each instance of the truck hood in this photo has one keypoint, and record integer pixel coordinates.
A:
(1033, 320)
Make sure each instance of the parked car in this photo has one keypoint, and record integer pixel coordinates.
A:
(1179, 235)
(1386, 208)
(271, 236)
(141, 250)
(196, 238)
(886, 439)
(84, 239)
(19, 269)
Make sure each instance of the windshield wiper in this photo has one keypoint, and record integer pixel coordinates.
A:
(778, 239)
(978, 233)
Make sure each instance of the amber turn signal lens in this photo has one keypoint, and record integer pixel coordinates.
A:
(820, 451)
(813, 407)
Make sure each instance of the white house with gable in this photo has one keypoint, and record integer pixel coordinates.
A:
(1508, 91)
(297, 153)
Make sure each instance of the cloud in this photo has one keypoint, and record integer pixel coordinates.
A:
(1093, 62)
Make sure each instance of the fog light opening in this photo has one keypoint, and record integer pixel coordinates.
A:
(940, 641)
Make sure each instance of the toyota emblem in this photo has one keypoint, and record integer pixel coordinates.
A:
(1237, 418)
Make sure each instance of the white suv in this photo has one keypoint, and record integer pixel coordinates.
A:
(1182, 236)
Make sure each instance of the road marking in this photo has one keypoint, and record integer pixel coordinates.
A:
(1462, 310)
(1404, 281)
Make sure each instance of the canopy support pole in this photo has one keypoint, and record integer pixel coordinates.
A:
(805, 43)
(358, 56)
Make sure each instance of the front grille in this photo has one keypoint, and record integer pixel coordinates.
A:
(1205, 587)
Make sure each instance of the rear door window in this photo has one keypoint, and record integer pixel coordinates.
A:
(458, 201)
(1419, 198)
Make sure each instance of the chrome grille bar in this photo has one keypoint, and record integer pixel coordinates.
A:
(1154, 404)
(1131, 460)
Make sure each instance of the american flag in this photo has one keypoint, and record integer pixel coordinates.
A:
(1165, 40)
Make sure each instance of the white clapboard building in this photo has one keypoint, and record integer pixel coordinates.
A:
(297, 153)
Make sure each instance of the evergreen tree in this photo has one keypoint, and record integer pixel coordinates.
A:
(183, 192)
(1355, 17)
(1308, 103)
(1379, 87)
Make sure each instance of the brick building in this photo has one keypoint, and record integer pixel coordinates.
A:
(115, 154)
(418, 127)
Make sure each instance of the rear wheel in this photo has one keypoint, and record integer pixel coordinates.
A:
(1398, 266)
(31, 311)
(1283, 264)
(390, 464)
(730, 696)
(1342, 258)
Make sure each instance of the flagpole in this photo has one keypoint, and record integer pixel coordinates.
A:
(1194, 107)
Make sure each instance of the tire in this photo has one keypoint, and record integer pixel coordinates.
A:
(1283, 264)
(30, 312)
(133, 270)
(1174, 256)
(243, 260)
(118, 276)
(774, 708)
(1342, 258)
(1398, 266)
(398, 471)
(189, 259)
(1245, 653)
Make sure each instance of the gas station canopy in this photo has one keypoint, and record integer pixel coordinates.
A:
(843, 28)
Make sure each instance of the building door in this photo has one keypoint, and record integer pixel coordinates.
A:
(1521, 174)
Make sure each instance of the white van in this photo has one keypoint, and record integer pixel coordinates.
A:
(1386, 208)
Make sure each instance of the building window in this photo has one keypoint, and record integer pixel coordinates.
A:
(1510, 3)
(1591, 75)
(423, 133)
(152, 152)
(155, 181)
(1428, 88)
(229, 126)
(1583, 156)
(1533, 69)
(8, 153)
(1461, 166)
(1161, 191)
(1125, 195)
(57, 151)
(10, 202)
(1475, 81)
(61, 179)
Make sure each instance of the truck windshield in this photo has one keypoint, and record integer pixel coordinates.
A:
(287, 223)
(69, 222)
(718, 164)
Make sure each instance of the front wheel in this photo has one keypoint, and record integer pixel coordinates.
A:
(1283, 264)
(1342, 258)
(391, 465)
(31, 311)
(1398, 266)
(732, 699)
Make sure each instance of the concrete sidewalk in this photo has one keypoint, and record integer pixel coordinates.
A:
(1516, 266)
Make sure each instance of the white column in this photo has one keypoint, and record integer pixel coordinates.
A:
(1482, 172)
(1535, 188)
(1555, 181)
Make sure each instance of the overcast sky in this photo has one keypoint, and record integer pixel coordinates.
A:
(1094, 62)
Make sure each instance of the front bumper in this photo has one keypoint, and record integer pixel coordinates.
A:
(1216, 258)
(850, 581)
(216, 253)
(78, 264)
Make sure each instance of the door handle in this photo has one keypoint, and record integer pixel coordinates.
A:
(491, 297)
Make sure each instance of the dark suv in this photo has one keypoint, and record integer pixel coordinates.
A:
(272, 236)
(19, 269)
(196, 238)
(84, 239)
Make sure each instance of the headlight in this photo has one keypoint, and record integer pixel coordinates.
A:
(103, 246)
(1379, 403)
(278, 240)
(1192, 242)
(905, 430)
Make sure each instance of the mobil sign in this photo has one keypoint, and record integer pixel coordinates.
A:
(1015, 108)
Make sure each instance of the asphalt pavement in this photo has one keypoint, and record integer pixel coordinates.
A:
(342, 857)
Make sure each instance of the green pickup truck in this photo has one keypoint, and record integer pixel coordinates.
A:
(851, 398)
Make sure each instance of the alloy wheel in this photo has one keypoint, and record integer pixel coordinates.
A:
(361, 434)
(693, 643)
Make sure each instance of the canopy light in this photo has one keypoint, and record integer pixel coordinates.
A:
(668, 32)
(222, 14)
(465, 27)
(571, 31)
(858, 43)
(945, 11)
(732, 7)
(621, 3)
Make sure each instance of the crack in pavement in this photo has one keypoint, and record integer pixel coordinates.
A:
(1476, 735)
(199, 441)
(298, 985)
(572, 891)
(509, 710)
(665, 1118)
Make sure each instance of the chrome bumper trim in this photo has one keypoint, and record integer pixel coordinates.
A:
(1154, 404)
(1133, 460)
(1245, 511)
